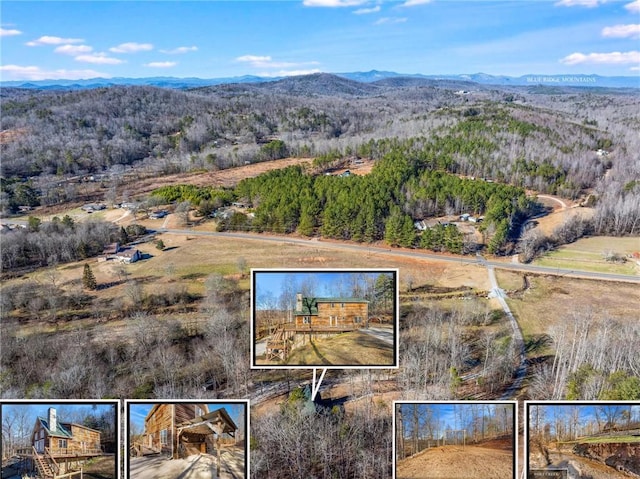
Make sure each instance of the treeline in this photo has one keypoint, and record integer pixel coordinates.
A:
(595, 358)
(55, 241)
(383, 204)
(303, 439)
(156, 356)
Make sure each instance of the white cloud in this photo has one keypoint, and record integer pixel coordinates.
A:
(265, 61)
(49, 40)
(414, 3)
(635, 69)
(365, 11)
(73, 49)
(622, 31)
(390, 20)
(180, 50)
(333, 3)
(99, 59)
(633, 6)
(579, 3)
(613, 58)
(255, 60)
(4, 32)
(33, 73)
(289, 73)
(161, 64)
(131, 47)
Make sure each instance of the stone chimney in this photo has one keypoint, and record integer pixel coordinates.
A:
(299, 302)
(53, 420)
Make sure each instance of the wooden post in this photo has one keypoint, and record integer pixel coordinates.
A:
(218, 462)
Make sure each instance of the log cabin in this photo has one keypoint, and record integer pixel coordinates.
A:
(180, 430)
(64, 439)
(339, 313)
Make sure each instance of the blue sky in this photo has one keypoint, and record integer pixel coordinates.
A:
(443, 413)
(269, 286)
(138, 412)
(65, 412)
(209, 39)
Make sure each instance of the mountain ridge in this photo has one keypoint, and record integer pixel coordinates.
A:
(372, 76)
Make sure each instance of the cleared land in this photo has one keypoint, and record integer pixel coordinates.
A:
(348, 349)
(550, 299)
(588, 254)
(490, 461)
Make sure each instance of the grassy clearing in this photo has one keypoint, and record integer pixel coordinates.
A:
(551, 299)
(588, 255)
(348, 349)
(606, 440)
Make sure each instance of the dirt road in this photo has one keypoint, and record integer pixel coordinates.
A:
(456, 462)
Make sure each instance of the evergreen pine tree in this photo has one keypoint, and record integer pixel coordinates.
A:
(88, 278)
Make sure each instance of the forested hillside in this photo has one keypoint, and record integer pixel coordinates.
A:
(543, 139)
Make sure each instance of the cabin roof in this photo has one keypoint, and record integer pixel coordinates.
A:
(60, 431)
(199, 424)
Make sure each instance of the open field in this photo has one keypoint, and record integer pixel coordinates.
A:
(551, 299)
(453, 462)
(588, 254)
(547, 224)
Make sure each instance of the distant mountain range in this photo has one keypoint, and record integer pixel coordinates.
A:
(379, 77)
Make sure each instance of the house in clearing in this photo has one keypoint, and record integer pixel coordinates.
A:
(114, 251)
(339, 313)
(64, 439)
(180, 430)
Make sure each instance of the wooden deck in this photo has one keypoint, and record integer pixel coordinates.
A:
(309, 329)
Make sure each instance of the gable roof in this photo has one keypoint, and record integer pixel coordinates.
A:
(315, 301)
(60, 431)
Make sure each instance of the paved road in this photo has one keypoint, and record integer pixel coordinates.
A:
(367, 249)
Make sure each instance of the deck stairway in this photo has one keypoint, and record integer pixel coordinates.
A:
(278, 345)
(46, 465)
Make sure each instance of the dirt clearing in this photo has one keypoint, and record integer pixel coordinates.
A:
(453, 462)
(348, 349)
(221, 178)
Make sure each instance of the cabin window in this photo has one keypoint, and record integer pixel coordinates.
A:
(342, 305)
(306, 320)
(163, 437)
(358, 319)
(333, 304)
(199, 411)
(62, 443)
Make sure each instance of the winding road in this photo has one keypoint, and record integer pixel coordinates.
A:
(407, 253)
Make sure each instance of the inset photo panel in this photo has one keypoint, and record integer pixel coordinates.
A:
(179, 439)
(334, 319)
(60, 439)
(582, 439)
(454, 440)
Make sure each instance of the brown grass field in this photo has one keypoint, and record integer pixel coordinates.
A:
(551, 299)
(355, 348)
